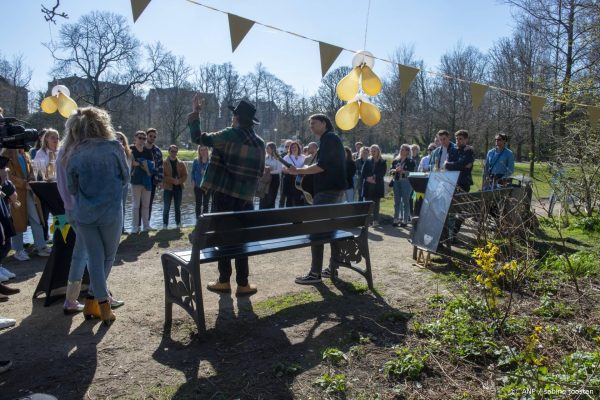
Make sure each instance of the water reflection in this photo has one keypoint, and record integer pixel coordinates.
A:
(188, 209)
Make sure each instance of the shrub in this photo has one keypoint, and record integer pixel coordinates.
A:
(407, 364)
(332, 384)
(334, 356)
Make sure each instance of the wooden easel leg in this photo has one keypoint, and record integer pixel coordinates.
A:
(423, 259)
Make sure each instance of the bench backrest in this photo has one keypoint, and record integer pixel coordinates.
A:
(232, 228)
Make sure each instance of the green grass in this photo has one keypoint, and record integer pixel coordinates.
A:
(276, 304)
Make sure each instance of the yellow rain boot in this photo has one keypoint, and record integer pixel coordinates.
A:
(91, 308)
(106, 313)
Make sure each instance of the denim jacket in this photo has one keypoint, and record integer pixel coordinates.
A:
(96, 175)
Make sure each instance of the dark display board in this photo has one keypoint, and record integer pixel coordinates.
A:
(434, 210)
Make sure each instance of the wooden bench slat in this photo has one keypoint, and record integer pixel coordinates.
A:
(264, 246)
(227, 237)
(241, 219)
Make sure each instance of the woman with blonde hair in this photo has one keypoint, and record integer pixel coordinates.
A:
(30, 211)
(274, 168)
(373, 172)
(45, 157)
(96, 170)
(402, 165)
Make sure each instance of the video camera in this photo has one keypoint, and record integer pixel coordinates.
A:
(13, 136)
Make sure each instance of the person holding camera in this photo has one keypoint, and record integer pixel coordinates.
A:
(401, 166)
(30, 211)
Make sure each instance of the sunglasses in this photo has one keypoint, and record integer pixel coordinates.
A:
(141, 137)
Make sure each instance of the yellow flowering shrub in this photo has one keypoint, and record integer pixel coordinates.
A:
(491, 271)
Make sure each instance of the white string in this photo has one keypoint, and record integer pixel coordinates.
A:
(367, 25)
(434, 73)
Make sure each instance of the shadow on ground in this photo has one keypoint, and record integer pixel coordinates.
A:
(252, 356)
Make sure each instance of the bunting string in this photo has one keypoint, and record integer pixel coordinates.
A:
(429, 72)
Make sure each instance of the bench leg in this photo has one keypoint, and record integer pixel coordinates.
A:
(344, 253)
(184, 288)
(168, 316)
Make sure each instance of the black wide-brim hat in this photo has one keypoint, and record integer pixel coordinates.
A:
(245, 109)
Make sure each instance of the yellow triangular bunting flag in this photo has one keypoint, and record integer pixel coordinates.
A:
(328, 55)
(407, 76)
(65, 232)
(477, 92)
(537, 103)
(593, 115)
(238, 28)
(138, 7)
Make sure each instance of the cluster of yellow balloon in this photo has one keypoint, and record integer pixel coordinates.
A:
(59, 101)
(347, 89)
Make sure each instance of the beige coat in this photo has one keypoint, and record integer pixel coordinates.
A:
(168, 174)
(17, 177)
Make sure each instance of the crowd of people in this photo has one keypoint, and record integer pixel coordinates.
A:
(233, 167)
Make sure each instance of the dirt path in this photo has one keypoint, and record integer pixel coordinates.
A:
(252, 343)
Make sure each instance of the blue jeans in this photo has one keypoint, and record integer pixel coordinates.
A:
(175, 195)
(79, 257)
(101, 243)
(37, 230)
(402, 192)
(349, 195)
(329, 197)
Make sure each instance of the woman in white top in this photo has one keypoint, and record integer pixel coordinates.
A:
(275, 168)
(45, 157)
(295, 158)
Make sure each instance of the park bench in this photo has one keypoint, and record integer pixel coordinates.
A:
(249, 233)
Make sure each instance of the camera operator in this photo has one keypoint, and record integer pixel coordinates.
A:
(7, 191)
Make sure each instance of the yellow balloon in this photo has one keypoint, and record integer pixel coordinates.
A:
(66, 105)
(347, 87)
(370, 82)
(347, 117)
(49, 105)
(369, 114)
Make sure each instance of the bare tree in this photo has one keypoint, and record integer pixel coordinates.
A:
(101, 49)
(569, 28)
(50, 14)
(17, 76)
(170, 99)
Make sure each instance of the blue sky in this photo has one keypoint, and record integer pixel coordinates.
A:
(433, 27)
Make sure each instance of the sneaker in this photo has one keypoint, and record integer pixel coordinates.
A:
(21, 255)
(222, 287)
(149, 230)
(5, 365)
(3, 278)
(6, 272)
(6, 322)
(308, 279)
(326, 273)
(72, 307)
(45, 252)
(114, 303)
(246, 290)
